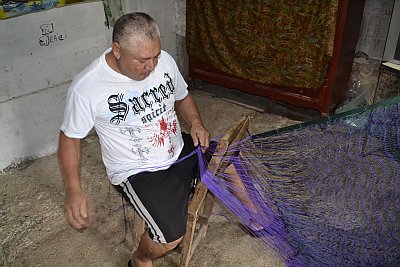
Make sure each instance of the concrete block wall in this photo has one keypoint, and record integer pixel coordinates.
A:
(369, 53)
(374, 27)
(40, 53)
(182, 56)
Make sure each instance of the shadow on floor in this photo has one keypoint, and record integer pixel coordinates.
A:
(257, 103)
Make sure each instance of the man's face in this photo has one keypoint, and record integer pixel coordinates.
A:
(137, 59)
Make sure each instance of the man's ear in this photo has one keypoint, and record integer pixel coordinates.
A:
(116, 50)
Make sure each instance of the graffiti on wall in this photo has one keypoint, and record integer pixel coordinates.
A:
(49, 35)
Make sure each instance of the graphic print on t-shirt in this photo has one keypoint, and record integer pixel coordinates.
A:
(131, 132)
(142, 103)
(116, 105)
(147, 116)
(137, 148)
(166, 129)
(139, 151)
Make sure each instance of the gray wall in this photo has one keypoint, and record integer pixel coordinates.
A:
(34, 76)
(374, 28)
(40, 53)
(369, 53)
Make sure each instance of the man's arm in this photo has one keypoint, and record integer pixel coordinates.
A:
(76, 205)
(190, 114)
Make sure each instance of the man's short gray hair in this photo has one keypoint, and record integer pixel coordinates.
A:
(138, 25)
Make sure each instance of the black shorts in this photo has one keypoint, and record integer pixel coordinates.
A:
(161, 197)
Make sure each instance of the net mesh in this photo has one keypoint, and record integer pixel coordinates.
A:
(322, 193)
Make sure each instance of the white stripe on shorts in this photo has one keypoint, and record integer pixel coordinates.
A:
(140, 208)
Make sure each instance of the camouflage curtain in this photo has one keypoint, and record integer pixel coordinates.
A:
(275, 42)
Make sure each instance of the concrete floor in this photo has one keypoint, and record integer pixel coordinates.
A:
(34, 232)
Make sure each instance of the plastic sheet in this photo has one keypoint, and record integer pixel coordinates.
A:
(362, 83)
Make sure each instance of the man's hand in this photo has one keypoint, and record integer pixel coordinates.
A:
(77, 210)
(76, 205)
(200, 136)
(188, 110)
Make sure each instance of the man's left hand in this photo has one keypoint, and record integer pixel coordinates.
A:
(200, 136)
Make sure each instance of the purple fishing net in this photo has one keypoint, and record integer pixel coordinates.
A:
(323, 193)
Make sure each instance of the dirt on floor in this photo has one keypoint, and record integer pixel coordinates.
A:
(34, 232)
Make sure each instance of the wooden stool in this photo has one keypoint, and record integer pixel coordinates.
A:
(202, 202)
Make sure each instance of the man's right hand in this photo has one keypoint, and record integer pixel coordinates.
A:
(77, 211)
(76, 205)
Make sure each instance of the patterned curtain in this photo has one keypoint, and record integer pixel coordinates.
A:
(114, 10)
(275, 42)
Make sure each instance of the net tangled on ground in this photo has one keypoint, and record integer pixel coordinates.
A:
(322, 193)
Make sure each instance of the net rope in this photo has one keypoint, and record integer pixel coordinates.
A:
(321, 193)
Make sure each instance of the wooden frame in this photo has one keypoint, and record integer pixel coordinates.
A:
(202, 202)
(201, 205)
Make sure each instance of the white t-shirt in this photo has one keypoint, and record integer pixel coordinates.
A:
(135, 120)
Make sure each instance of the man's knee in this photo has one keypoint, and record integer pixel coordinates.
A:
(173, 244)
